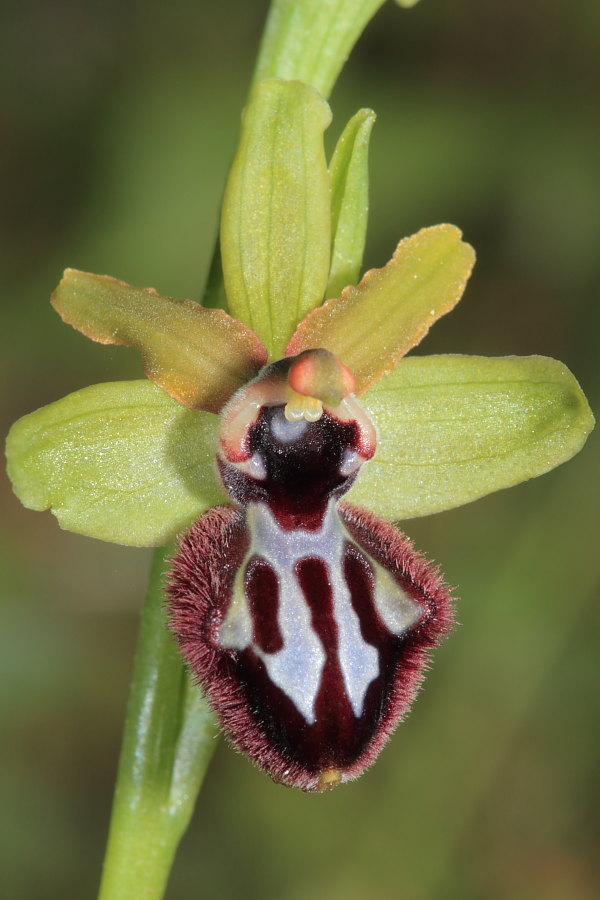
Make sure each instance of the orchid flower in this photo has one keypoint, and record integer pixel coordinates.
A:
(307, 620)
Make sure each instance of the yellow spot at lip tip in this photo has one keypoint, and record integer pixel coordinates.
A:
(329, 779)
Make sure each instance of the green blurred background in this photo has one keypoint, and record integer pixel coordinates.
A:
(119, 123)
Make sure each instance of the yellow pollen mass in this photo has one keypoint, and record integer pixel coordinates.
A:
(300, 407)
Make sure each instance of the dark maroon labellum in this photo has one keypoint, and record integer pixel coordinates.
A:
(306, 620)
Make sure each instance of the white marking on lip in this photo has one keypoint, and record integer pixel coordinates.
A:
(297, 668)
(351, 461)
(286, 430)
(398, 611)
(254, 467)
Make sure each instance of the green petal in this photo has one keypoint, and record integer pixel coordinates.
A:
(349, 172)
(371, 326)
(275, 226)
(310, 40)
(199, 356)
(454, 428)
(122, 462)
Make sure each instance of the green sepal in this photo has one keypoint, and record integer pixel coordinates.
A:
(121, 462)
(349, 171)
(275, 225)
(454, 428)
(310, 40)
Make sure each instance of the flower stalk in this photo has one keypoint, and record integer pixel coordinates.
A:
(168, 741)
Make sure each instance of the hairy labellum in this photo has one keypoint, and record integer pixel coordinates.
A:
(306, 620)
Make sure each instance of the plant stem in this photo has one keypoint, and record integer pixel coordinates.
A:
(167, 744)
(310, 40)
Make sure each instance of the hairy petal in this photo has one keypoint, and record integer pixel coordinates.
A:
(454, 428)
(199, 356)
(122, 462)
(371, 326)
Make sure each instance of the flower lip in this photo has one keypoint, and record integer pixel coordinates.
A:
(332, 746)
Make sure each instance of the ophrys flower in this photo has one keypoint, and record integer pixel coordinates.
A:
(128, 462)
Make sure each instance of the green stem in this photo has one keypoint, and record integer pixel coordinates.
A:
(167, 745)
(310, 40)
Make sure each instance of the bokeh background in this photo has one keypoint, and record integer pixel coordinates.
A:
(119, 120)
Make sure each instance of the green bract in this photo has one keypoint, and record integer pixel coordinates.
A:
(127, 463)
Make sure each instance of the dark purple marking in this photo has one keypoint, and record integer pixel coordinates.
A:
(313, 577)
(261, 586)
(302, 474)
(358, 574)
(336, 737)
